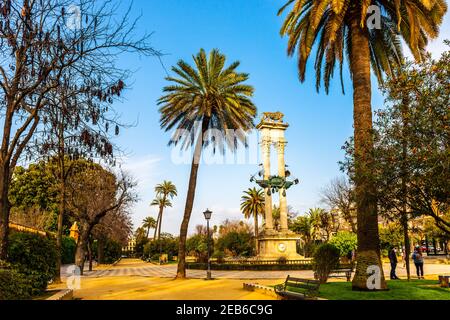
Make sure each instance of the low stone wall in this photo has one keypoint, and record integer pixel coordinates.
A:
(66, 294)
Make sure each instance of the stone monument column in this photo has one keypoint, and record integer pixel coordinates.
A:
(266, 145)
(282, 173)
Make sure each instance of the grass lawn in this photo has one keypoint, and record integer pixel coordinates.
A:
(398, 290)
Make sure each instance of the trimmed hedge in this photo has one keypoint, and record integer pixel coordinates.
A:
(34, 257)
(253, 267)
(14, 286)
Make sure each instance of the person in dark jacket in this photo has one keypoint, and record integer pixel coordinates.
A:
(393, 260)
(418, 262)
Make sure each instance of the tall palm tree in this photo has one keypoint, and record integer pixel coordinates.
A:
(338, 28)
(203, 97)
(252, 205)
(164, 191)
(149, 223)
(161, 203)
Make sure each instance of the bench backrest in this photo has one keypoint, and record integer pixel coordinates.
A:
(307, 284)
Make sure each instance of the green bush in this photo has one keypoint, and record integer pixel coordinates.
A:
(345, 241)
(13, 285)
(167, 246)
(237, 243)
(113, 252)
(197, 246)
(155, 257)
(33, 256)
(325, 258)
(308, 249)
(68, 248)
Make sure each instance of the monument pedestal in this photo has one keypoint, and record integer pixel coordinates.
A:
(278, 245)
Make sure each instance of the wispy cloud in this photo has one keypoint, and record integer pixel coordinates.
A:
(145, 170)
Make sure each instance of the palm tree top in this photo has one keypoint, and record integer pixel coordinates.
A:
(328, 22)
(161, 202)
(207, 91)
(252, 202)
(166, 188)
(149, 221)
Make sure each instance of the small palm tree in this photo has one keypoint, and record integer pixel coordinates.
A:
(161, 203)
(339, 29)
(207, 96)
(166, 190)
(252, 205)
(149, 223)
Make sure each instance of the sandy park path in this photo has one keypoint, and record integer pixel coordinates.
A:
(133, 279)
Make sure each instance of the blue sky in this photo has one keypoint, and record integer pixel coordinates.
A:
(247, 31)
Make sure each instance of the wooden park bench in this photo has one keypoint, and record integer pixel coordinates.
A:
(305, 289)
(344, 271)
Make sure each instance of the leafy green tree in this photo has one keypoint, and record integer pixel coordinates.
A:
(236, 243)
(391, 235)
(341, 28)
(141, 241)
(308, 227)
(207, 96)
(197, 245)
(412, 142)
(167, 244)
(33, 195)
(345, 241)
(93, 194)
(252, 205)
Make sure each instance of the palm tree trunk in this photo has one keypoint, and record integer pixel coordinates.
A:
(366, 201)
(161, 209)
(156, 227)
(256, 233)
(181, 270)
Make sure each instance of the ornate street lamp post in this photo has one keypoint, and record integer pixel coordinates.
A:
(207, 215)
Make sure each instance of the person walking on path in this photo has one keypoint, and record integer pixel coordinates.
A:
(418, 262)
(393, 260)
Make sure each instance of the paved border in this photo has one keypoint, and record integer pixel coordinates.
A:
(66, 294)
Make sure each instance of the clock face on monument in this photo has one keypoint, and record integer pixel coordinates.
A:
(282, 247)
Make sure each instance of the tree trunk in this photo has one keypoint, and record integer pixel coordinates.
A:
(256, 233)
(404, 214)
(59, 233)
(156, 227)
(181, 270)
(62, 200)
(80, 255)
(161, 208)
(89, 249)
(4, 210)
(366, 200)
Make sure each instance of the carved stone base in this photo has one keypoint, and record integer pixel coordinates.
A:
(275, 245)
